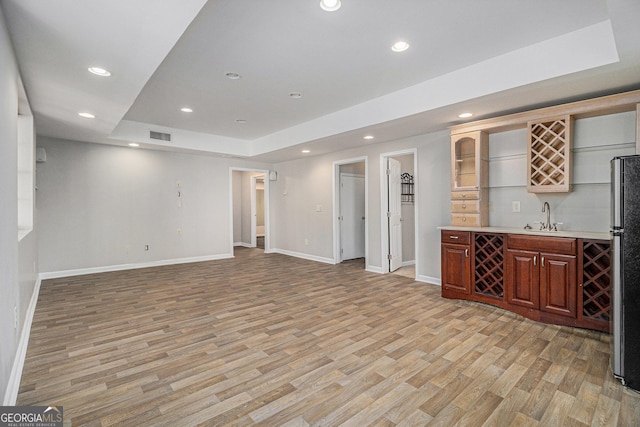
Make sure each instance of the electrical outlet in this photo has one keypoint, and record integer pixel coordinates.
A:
(515, 206)
(306, 242)
(179, 231)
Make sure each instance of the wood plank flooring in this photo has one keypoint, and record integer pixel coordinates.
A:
(265, 339)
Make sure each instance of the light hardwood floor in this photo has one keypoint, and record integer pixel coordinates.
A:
(271, 340)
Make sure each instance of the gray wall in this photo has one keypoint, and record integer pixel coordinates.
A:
(586, 208)
(303, 184)
(100, 205)
(17, 260)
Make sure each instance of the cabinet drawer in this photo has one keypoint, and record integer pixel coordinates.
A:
(556, 245)
(462, 219)
(465, 206)
(457, 237)
(465, 195)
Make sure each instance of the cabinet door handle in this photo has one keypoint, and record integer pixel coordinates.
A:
(464, 206)
(542, 262)
(535, 260)
(454, 237)
(466, 253)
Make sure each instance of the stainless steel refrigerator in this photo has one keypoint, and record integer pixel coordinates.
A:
(625, 233)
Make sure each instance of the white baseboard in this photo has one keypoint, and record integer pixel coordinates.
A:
(11, 394)
(104, 269)
(408, 263)
(373, 269)
(303, 256)
(429, 279)
(243, 244)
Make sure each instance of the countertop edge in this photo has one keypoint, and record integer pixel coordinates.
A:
(507, 230)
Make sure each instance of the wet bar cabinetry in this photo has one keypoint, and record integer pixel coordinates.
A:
(469, 179)
(556, 280)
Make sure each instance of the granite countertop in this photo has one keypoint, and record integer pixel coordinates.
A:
(532, 232)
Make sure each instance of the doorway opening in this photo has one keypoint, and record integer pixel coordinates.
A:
(350, 225)
(399, 225)
(249, 191)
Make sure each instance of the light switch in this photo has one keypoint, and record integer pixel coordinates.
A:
(318, 208)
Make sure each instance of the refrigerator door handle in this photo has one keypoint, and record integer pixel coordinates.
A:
(617, 359)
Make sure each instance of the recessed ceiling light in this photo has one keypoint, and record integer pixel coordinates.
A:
(87, 115)
(330, 5)
(233, 76)
(465, 115)
(133, 144)
(306, 151)
(186, 110)
(368, 137)
(241, 121)
(295, 95)
(99, 71)
(400, 46)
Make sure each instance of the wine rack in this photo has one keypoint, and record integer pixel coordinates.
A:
(549, 155)
(596, 280)
(489, 261)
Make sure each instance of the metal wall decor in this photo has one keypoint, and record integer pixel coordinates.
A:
(407, 188)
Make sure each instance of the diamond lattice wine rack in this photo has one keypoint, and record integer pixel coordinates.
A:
(489, 261)
(549, 155)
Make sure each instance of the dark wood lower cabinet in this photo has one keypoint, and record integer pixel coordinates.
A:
(558, 284)
(552, 279)
(523, 279)
(456, 264)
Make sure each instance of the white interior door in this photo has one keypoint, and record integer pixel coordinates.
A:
(394, 215)
(352, 216)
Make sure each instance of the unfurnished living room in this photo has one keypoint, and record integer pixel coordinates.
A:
(305, 212)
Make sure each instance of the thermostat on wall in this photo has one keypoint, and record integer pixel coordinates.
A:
(273, 176)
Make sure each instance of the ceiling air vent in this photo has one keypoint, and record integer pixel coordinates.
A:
(160, 136)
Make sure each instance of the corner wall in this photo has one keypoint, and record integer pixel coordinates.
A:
(17, 260)
(304, 184)
(100, 205)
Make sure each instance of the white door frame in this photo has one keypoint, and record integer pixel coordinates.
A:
(267, 228)
(384, 203)
(336, 206)
(254, 211)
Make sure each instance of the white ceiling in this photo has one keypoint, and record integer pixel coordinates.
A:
(488, 57)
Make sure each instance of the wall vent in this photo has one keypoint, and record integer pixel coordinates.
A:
(160, 136)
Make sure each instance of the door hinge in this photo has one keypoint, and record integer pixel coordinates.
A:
(388, 214)
(388, 171)
(389, 257)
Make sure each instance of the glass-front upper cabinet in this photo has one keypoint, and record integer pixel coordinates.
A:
(468, 151)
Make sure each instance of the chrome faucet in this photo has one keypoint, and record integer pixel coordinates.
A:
(547, 225)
